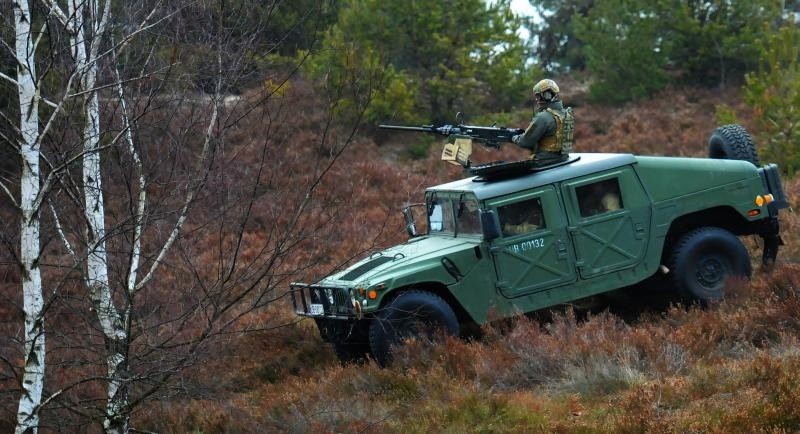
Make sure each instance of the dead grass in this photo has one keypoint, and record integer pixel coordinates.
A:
(730, 368)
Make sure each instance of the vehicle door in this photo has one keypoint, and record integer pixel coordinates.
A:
(533, 252)
(609, 221)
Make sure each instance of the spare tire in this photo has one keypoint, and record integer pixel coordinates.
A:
(732, 142)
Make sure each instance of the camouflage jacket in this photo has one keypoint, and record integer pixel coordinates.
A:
(540, 136)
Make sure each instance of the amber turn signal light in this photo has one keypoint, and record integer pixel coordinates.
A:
(765, 199)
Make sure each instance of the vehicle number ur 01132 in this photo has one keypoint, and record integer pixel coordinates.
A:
(536, 243)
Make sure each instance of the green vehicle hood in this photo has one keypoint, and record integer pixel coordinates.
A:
(408, 258)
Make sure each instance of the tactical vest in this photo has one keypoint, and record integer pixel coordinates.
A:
(565, 128)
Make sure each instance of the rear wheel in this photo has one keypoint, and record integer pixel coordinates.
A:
(732, 142)
(703, 259)
(412, 313)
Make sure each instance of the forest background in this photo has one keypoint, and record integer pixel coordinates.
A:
(237, 146)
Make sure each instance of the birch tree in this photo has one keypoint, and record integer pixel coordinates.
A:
(127, 121)
(87, 25)
(30, 247)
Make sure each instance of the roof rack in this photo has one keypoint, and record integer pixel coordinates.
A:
(497, 170)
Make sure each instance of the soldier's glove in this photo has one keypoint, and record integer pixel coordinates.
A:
(516, 138)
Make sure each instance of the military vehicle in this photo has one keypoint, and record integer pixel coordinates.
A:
(515, 238)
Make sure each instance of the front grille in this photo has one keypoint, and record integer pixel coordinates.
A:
(321, 301)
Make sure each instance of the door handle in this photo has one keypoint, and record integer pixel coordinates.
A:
(562, 248)
(640, 230)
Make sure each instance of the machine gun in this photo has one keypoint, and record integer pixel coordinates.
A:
(459, 149)
(491, 136)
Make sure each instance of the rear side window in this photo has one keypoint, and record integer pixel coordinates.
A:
(521, 217)
(599, 197)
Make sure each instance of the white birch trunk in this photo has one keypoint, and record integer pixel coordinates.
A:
(97, 276)
(30, 246)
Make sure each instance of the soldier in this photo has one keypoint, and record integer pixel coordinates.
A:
(549, 136)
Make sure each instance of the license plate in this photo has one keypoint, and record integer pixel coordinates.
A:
(316, 309)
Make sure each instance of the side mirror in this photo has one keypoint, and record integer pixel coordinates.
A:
(411, 228)
(490, 225)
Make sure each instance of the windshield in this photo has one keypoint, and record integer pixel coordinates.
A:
(440, 214)
(453, 216)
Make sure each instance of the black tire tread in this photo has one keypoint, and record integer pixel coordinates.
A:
(740, 143)
(679, 250)
(351, 352)
(383, 357)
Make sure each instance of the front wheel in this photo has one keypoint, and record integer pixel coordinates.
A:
(703, 259)
(412, 313)
(351, 352)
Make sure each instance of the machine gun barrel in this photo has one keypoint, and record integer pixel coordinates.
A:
(490, 136)
(424, 128)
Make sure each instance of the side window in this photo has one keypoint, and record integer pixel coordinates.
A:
(599, 197)
(521, 217)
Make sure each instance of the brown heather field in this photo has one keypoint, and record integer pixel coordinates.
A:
(734, 367)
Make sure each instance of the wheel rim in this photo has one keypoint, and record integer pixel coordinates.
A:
(711, 272)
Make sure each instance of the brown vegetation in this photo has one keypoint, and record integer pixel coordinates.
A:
(730, 368)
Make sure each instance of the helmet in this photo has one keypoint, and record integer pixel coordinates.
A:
(545, 89)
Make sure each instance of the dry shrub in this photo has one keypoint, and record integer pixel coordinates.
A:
(676, 123)
(592, 357)
(690, 370)
(196, 415)
(727, 368)
(467, 410)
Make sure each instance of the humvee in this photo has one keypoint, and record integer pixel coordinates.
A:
(515, 238)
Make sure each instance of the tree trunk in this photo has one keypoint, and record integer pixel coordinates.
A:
(30, 245)
(97, 277)
(97, 280)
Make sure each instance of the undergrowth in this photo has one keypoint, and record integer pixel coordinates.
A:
(731, 367)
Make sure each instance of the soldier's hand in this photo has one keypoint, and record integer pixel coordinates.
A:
(516, 138)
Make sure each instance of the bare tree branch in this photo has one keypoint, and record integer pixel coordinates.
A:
(61, 234)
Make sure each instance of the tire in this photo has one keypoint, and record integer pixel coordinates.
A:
(412, 313)
(351, 344)
(703, 259)
(351, 352)
(732, 142)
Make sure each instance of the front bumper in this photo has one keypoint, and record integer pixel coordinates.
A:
(317, 301)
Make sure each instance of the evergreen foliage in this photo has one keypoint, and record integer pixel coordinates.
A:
(625, 52)
(557, 48)
(427, 59)
(633, 48)
(774, 93)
